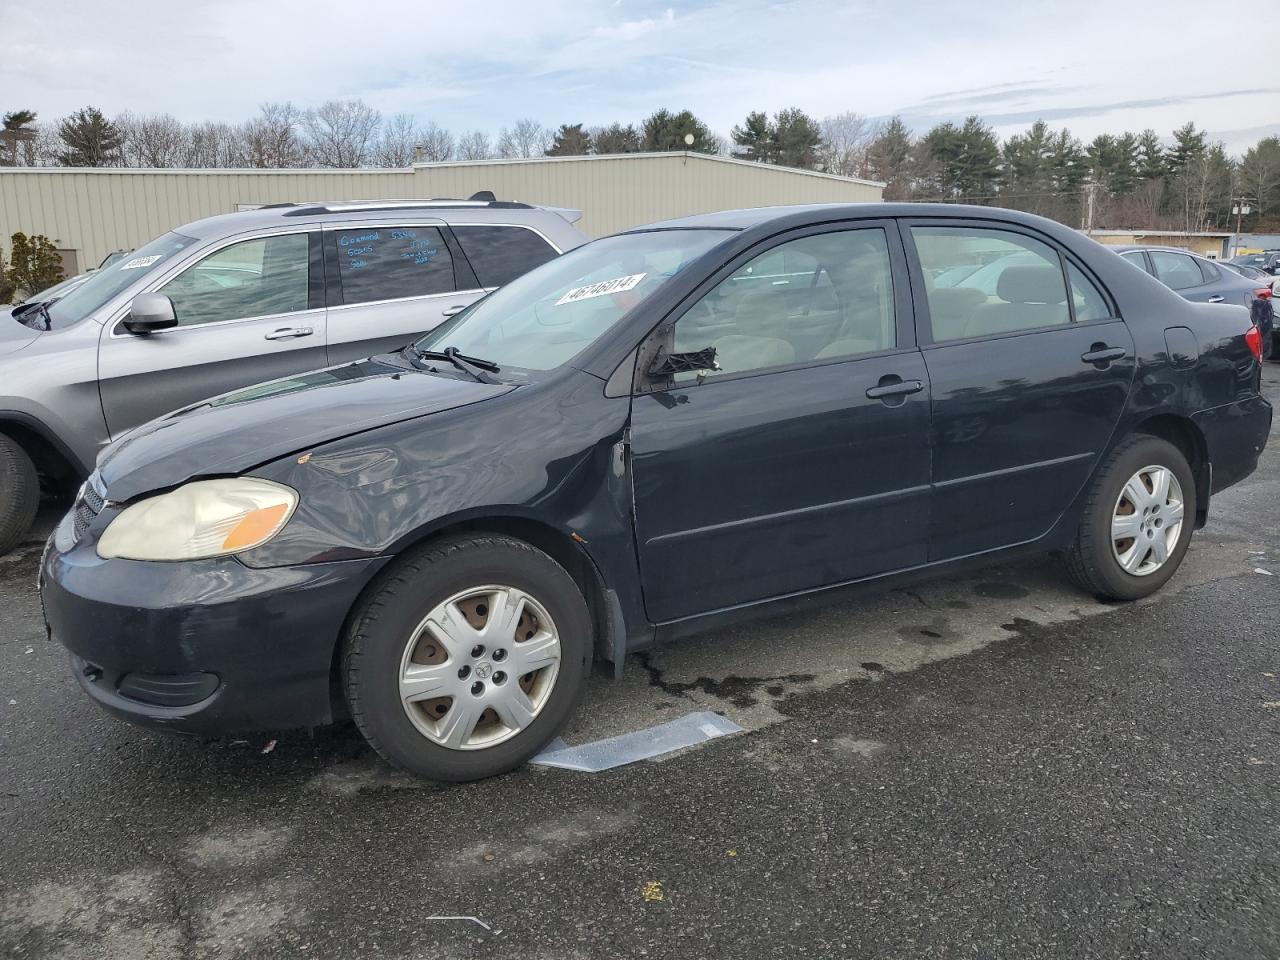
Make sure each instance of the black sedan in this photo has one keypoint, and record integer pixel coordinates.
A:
(656, 433)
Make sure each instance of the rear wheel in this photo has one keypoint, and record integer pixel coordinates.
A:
(467, 658)
(19, 493)
(1137, 521)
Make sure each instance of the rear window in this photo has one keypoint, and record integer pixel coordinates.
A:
(390, 263)
(499, 254)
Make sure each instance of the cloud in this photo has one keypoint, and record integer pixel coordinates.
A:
(494, 61)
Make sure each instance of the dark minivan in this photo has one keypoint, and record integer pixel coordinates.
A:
(656, 433)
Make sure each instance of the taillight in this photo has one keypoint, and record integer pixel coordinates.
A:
(1254, 340)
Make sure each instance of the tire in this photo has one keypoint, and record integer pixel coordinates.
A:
(19, 493)
(390, 649)
(1094, 559)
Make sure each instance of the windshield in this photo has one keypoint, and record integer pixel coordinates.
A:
(59, 289)
(107, 282)
(554, 312)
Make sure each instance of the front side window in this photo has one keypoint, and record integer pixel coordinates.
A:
(1177, 271)
(391, 263)
(546, 317)
(499, 254)
(252, 278)
(819, 297)
(1017, 285)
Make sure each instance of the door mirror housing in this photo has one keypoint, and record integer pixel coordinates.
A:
(666, 365)
(150, 312)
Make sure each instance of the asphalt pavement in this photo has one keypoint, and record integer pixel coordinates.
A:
(992, 766)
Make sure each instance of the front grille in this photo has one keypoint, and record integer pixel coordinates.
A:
(89, 503)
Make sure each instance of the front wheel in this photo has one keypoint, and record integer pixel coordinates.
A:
(1137, 522)
(19, 493)
(467, 657)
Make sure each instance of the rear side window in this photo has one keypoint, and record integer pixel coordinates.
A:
(1017, 283)
(390, 263)
(1086, 299)
(1208, 271)
(1177, 271)
(1137, 259)
(499, 254)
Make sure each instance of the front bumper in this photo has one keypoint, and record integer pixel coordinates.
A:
(206, 647)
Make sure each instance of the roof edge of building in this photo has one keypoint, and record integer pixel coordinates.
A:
(651, 155)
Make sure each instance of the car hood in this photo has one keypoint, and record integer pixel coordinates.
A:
(13, 334)
(236, 431)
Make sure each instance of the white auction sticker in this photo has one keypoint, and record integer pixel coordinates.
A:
(138, 262)
(617, 285)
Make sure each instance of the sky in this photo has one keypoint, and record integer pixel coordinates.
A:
(1092, 66)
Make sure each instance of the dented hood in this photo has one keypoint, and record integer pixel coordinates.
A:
(237, 431)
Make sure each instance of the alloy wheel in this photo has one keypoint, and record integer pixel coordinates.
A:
(1147, 520)
(480, 667)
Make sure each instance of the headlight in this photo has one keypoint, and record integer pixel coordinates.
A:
(205, 518)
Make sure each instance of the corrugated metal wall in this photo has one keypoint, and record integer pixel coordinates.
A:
(96, 211)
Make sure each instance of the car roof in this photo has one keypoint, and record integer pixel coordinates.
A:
(798, 214)
(298, 214)
(1155, 246)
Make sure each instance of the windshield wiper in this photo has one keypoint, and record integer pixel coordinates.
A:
(478, 368)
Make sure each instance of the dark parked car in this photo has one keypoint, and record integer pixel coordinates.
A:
(658, 432)
(1267, 261)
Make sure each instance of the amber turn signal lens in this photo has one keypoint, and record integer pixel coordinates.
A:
(256, 527)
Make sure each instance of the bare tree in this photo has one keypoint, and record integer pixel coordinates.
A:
(272, 138)
(160, 140)
(528, 138)
(846, 138)
(474, 146)
(397, 144)
(341, 133)
(436, 143)
(214, 145)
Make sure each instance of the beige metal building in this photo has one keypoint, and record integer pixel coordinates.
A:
(88, 213)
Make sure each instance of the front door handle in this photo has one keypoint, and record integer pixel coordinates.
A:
(288, 333)
(893, 387)
(454, 311)
(1217, 298)
(1101, 353)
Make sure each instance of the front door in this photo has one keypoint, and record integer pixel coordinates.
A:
(390, 284)
(249, 311)
(804, 461)
(1028, 382)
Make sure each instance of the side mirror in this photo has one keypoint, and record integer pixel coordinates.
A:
(150, 312)
(669, 364)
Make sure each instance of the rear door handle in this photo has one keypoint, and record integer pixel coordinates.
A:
(454, 311)
(899, 389)
(1104, 354)
(288, 333)
(1217, 298)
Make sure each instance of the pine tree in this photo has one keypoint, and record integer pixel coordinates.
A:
(1151, 159)
(755, 138)
(664, 130)
(33, 263)
(615, 138)
(796, 139)
(91, 140)
(889, 157)
(570, 141)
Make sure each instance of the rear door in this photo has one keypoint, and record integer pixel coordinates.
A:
(803, 462)
(1028, 382)
(249, 309)
(391, 282)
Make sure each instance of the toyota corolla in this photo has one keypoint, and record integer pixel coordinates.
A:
(654, 434)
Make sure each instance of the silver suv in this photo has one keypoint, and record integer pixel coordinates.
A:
(234, 300)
